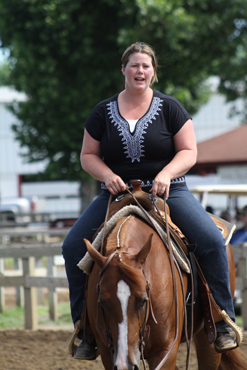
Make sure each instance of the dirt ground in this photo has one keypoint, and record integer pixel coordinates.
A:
(47, 349)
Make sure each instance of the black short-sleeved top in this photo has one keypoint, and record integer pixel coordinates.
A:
(149, 148)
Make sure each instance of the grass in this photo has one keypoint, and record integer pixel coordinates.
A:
(13, 317)
(239, 321)
(9, 263)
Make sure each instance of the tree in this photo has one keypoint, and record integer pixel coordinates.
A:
(198, 39)
(4, 74)
(66, 56)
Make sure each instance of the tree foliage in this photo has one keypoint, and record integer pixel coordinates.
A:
(4, 74)
(66, 56)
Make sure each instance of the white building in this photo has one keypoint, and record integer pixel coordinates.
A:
(11, 163)
(12, 166)
(213, 119)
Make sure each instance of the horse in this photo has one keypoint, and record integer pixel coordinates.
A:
(136, 303)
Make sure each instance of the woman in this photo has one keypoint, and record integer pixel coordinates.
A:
(141, 133)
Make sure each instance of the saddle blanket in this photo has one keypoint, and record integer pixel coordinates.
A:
(86, 263)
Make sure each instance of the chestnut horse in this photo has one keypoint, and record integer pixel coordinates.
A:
(134, 310)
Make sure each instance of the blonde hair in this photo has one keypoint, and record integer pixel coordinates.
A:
(140, 47)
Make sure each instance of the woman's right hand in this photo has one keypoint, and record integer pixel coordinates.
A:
(115, 184)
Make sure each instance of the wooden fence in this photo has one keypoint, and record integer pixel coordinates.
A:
(36, 246)
(30, 251)
(240, 254)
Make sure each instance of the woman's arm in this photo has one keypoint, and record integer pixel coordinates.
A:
(93, 164)
(185, 158)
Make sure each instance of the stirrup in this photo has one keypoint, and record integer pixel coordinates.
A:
(72, 346)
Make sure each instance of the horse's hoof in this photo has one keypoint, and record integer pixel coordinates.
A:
(85, 351)
(224, 342)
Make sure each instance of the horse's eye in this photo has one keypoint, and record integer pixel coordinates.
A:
(102, 302)
(143, 302)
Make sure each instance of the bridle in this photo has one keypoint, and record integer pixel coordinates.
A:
(144, 330)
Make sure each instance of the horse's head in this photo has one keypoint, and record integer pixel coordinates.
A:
(123, 295)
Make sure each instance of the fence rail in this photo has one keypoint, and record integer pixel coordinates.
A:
(240, 254)
(30, 252)
(35, 246)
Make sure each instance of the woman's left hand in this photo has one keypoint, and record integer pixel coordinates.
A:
(161, 185)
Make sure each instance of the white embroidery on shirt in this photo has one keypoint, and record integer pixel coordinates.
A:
(133, 144)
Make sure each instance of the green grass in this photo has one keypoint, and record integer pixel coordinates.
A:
(9, 263)
(239, 321)
(63, 312)
(13, 317)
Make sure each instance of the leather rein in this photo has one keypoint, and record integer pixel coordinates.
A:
(145, 329)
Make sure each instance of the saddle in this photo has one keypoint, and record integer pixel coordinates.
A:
(156, 207)
(151, 205)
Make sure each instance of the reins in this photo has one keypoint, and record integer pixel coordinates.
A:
(173, 263)
(189, 342)
(106, 217)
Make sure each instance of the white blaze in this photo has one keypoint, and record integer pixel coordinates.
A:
(123, 293)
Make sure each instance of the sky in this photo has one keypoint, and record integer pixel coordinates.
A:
(3, 55)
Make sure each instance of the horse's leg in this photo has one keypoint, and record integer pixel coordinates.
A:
(170, 364)
(208, 358)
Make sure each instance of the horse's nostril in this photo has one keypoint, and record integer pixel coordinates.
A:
(136, 367)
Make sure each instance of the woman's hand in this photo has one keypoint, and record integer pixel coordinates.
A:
(161, 184)
(184, 159)
(115, 184)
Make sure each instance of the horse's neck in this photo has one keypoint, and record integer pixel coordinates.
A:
(114, 240)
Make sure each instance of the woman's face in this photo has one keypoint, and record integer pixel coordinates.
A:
(138, 72)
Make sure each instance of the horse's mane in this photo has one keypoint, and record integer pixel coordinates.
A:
(135, 275)
(112, 238)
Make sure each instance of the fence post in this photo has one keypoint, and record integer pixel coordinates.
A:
(2, 293)
(244, 303)
(19, 290)
(52, 295)
(243, 275)
(30, 298)
(39, 291)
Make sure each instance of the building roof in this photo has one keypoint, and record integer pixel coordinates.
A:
(227, 149)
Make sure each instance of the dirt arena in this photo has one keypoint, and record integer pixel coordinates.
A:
(47, 350)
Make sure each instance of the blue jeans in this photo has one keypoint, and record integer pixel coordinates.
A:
(192, 219)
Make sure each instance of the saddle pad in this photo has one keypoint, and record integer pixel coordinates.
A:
(86, 262)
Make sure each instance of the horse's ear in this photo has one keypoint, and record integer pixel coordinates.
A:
(95, 255)
(142, 255)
